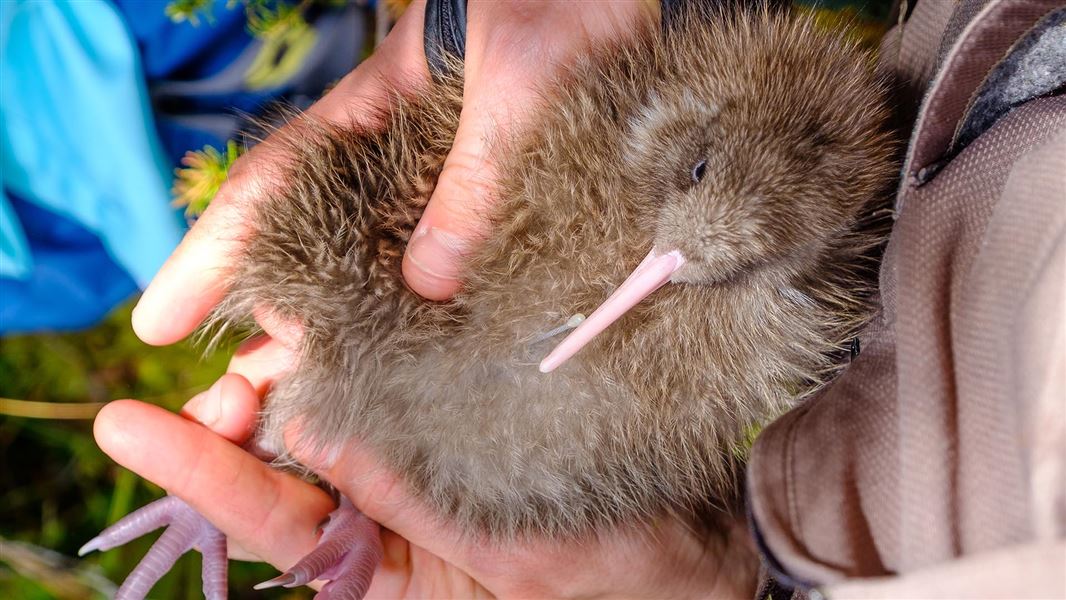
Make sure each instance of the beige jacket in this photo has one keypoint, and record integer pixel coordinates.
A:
(935, 466)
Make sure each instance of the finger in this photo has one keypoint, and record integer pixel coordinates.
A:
(269, 513)
(511, 51)
(407, 571)
(231, 415)
(394, 574)
(228, 408)
(192, 280)
(262, 360)
(382, 495)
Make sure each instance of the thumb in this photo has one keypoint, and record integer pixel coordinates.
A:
(455, 217)
(512, 50)
(505, 62)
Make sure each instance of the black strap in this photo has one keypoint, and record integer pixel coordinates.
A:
(444, 34)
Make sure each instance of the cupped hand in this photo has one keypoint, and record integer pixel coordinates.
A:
(272, 516)
(510, 52)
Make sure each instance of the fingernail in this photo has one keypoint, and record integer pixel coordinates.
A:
(206, 406)
(437, 253)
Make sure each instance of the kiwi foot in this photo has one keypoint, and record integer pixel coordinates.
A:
(346, 556)
(185, 529)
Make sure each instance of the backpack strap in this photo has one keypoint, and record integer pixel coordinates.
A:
(444, 34)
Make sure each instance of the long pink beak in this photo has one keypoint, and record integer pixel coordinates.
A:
(651, 274)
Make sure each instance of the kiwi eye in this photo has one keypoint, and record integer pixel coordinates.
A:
(698, 170)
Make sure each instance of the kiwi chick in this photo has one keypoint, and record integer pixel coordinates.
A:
(749, 152)
(754, 144)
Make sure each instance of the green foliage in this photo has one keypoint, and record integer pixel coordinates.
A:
(267, 22)
(287, 41)
(190, 10)
(57, 489)
(266, 18)
(204, 171)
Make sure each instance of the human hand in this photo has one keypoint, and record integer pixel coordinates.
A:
(509, 51)
(269, 515)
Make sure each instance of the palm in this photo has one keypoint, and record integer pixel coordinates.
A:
(409, 571)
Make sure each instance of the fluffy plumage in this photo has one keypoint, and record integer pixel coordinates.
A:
(782, 229)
